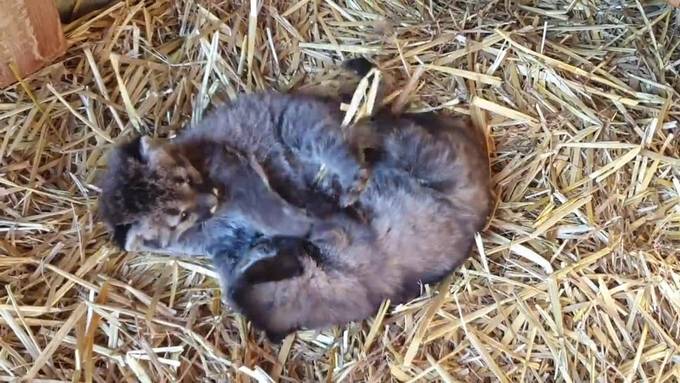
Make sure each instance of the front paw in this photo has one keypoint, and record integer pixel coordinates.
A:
(270, 261)
(351, 195)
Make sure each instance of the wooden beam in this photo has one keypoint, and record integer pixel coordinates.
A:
(30, 37)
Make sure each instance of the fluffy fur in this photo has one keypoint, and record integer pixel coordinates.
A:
(428, 195)
(284, 269)
(292, 137)
(262, 154)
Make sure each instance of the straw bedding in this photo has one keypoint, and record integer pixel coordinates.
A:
(575, 279)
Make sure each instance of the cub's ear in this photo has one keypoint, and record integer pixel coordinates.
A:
(139, 148)
(120, 233)
(153, 151)
(282, 265)
(146, 145)
(132, 149)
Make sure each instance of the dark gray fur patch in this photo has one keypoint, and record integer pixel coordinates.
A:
(120, 235)
(283, 266)
(359, 66)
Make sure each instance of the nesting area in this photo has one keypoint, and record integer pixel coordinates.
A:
(575, 279)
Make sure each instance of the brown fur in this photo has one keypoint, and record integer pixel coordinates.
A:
(428, 195)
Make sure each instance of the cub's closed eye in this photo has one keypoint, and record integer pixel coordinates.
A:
(179, 180)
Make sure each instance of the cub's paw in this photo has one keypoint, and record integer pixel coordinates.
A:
(269, 261)
(357, 186)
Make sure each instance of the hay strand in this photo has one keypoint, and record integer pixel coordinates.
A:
(575, 278)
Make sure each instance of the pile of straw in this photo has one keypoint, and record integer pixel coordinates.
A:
(575, 279)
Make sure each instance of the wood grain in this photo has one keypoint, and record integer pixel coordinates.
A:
(30, 37)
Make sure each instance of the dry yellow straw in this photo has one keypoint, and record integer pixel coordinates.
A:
(576, 278)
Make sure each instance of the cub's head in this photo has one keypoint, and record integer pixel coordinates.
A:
(151, 194)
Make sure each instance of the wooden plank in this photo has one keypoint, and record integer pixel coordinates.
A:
(30, 37)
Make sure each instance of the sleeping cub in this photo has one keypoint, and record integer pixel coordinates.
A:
(428, 194)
